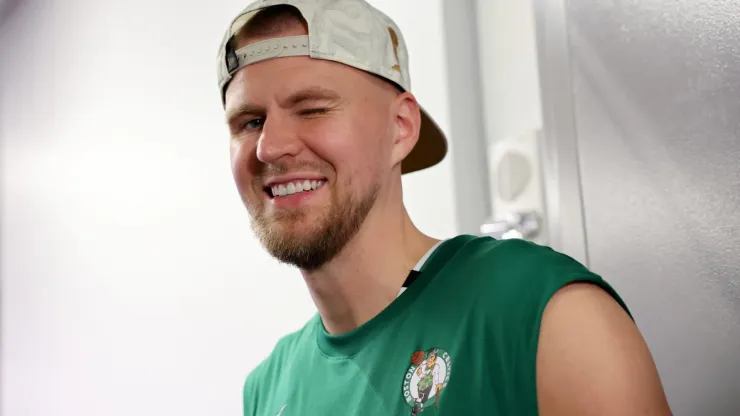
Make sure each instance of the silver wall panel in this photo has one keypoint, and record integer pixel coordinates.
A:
(467, 137)
(656, 87)
(559, 139)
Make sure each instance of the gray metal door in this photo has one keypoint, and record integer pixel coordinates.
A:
(645, 97)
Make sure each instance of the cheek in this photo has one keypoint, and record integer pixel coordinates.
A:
(241, 164)
(351, 151)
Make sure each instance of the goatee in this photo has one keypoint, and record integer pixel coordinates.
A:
(289, 243)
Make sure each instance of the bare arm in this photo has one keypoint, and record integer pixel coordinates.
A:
(592, 359)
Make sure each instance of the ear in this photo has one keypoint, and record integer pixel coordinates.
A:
(407, 118)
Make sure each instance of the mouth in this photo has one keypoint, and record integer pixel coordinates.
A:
(294, 187)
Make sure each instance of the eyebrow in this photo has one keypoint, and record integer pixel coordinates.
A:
(312, 93)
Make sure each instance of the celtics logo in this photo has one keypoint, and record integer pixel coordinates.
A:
(426, 378)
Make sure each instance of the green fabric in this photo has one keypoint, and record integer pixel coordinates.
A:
(475, 310)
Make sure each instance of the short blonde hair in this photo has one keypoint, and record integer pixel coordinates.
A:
(268, 22)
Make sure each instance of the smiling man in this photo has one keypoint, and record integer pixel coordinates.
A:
(323, 125)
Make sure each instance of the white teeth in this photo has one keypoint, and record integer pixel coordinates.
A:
(295, 187)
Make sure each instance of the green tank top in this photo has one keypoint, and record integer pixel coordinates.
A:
(461, 340)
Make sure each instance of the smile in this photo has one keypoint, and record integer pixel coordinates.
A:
(293, 187)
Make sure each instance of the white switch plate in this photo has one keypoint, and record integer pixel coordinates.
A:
(509, 179)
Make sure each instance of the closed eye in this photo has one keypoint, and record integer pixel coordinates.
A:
(313, 111)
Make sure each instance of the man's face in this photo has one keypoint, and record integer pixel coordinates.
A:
(310, 153)
(432, 360)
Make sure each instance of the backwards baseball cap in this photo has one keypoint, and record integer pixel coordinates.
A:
(351, 32)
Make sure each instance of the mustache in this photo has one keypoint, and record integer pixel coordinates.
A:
(284, 168)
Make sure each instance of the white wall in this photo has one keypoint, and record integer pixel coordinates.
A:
(508, 60)
(131, 283)
(512, 112)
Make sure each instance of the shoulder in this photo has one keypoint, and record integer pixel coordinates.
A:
(566, 328)
(520, 274)
(515, 255)
(588, 343)
(264, 377)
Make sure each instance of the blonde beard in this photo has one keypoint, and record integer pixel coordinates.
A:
(331, 232)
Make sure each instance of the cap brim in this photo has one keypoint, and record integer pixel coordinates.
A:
(429, 150)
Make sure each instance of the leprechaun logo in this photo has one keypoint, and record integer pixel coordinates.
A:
(426, 378)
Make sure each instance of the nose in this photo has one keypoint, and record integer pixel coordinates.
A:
(278, 140)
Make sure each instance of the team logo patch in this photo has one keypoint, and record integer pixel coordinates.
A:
(426, 378)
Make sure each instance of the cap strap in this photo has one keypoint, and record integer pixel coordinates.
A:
(267, 49)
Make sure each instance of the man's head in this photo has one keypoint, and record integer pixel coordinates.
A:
(316, 144)
(432, 359)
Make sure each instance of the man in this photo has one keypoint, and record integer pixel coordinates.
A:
(323, 125)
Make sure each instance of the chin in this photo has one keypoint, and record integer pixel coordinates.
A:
(299, 243)
(299, 230)
(289, 225)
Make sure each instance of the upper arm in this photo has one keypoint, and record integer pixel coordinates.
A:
(592, 360)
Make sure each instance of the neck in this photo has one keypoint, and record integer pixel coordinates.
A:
(368, 273)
